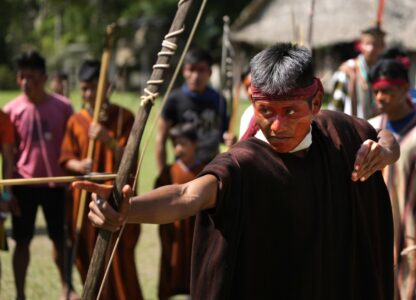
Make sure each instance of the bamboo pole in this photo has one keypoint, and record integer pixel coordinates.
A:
(310, 23)
(234, 109)
(380, 13)
(128, 161)
(59, 179)
(101, 94)
(97, 108)
(227, 60)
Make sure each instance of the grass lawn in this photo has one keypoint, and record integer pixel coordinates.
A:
(42, 279)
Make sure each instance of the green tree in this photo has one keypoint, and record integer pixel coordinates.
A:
(56, 27)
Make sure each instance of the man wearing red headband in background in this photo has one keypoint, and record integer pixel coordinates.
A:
(352, 91)
(293, 217)
(400, 54)
(390, 84)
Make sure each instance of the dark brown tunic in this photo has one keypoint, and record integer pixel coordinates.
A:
(287, 227)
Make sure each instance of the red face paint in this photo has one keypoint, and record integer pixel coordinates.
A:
(284, 123)
(284, 118)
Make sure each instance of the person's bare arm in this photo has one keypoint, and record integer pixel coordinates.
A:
(161, 138)
(374, 156)
(100, 133)
(82, 166)
(387, 140)
(163, 205)
(229, 139)
(173, 202)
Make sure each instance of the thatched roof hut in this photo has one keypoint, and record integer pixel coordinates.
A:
(265, 22)
(336, 25)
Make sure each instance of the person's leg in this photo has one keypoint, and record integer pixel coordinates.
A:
(21, 258)
(53, 206)
(22, 232)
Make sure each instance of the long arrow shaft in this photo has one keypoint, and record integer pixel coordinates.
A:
(59, 179)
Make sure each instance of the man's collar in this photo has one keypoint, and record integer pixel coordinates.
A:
(306, 142)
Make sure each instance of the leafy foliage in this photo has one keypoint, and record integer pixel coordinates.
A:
(56, 27)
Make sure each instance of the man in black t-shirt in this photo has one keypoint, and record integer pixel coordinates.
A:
(197, 103)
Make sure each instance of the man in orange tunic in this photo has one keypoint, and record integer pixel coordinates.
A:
(6, 152)
(111, 137)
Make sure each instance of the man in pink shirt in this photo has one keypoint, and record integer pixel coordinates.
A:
(39, 121)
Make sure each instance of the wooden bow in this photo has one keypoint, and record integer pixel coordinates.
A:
(128, 160)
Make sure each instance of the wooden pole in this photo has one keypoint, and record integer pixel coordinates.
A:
(96, 115)
(127, 164)
(380, 13)
(101, 94)
(227, 60)
(310, 25)
(59, 179)
(234, 109)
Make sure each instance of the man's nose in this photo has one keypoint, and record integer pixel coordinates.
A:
(178, 148)
(379, 96)
(277, 124)
(88, 94)
(195, 74)
(371, 48)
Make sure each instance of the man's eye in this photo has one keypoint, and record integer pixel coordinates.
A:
(290, 112)
(265, 110)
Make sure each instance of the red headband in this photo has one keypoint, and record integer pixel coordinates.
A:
(384, 83)
(308, 91)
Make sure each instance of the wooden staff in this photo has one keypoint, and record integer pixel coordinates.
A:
(310, 25)
(101, 94)
(59, 179)
(226, 56)
(227, 59)
(380, 13)
(234, 109)
(128, 160)
(96, 115)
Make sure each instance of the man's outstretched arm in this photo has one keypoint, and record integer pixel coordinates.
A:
(163, 205)
(374, 156)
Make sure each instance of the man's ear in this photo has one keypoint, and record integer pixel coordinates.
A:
(317, 102)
